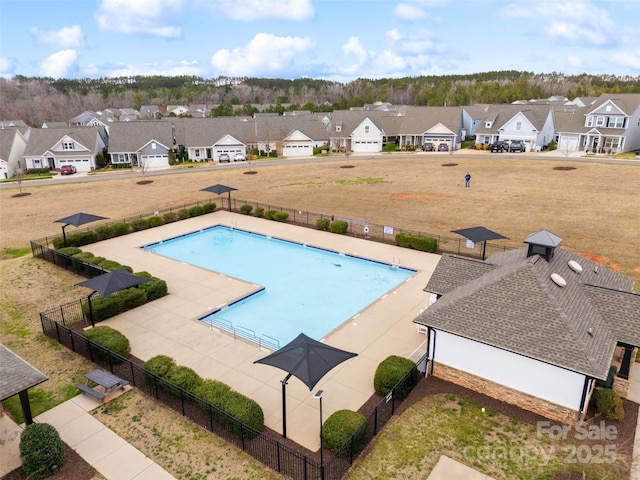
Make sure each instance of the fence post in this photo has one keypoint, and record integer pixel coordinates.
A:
(133, 374)
(73, 343)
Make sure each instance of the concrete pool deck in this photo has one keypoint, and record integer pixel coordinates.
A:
(169, 325)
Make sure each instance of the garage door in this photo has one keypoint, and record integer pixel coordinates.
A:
(366, 146)
(293, 150)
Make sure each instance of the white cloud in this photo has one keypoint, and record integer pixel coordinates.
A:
(140, 17)
(68, 37)
(168, 69)
(628, 60)
(7, 66)
(574, 61)
(249, 10)
(265, 54)
(578, 23)
(411, 13)
(60, 64)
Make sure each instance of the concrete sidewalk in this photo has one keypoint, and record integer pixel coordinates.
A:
(105, 451)
(448, 469)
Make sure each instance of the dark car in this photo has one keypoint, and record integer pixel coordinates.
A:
(499, 146)
(516, 146)
(443, 147)
(224, 157)
(428, 147)
(67, 170)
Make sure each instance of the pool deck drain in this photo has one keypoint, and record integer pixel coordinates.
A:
(170, 324)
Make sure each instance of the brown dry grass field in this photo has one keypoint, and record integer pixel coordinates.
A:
(594, 208)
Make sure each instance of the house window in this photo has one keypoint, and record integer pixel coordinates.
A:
(599, 121)
(518, 125)
(611, 142)
(608, 108)
(616, 122)
(366, 129)
(153, 145)
(67, 145)
(197, 153)
(589, 121)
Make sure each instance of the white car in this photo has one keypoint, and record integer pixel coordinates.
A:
(239, 157)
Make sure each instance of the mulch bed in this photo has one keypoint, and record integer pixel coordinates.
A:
(449, 164)
(74, 468)
(564, 168)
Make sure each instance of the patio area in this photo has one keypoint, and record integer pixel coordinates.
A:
(169, 325)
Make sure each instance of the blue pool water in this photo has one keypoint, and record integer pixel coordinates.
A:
(306, 289)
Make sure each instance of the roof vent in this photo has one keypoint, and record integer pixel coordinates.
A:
(575, 266)
(558, 280)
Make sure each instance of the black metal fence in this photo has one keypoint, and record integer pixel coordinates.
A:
(267, 450)
(357, 228)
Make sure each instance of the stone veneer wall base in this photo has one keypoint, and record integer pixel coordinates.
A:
(500, 392)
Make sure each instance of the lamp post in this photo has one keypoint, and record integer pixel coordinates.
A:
(319, 394)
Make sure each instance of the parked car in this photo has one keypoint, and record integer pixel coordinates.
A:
(443, 147)
(67, 170)
(499, 146)
(224, 157)
(516, 146)
(428, 147)
(239, 157)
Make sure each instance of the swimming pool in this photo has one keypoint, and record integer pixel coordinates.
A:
(305, 289)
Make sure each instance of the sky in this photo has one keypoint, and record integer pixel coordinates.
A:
(337, 40)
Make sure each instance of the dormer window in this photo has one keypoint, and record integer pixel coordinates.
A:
(67, 145)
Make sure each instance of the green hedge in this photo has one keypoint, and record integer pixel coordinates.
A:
(110, 339)
(609, 404)
(389, 373)
(154, 289)
(218, 394)
(323, 224)
(41, 450)
(246, 209)
(341, 426)
(339, 226)
(259, 212)
(115, 304)
(417, 242)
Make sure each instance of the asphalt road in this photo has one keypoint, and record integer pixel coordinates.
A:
(116, 174)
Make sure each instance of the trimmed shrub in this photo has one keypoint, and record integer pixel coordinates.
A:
(110, 339)
(160, 365)
(183, 214)
(139, 224)
(389, 373)
(184, 377)
(209, 207)
(417, 242)
(269, 214)
(169, 217)
(154, 289)
(259, 212)
(88, 257)
(212, 391)
(41, 450)
(339, 226)
(323, 224)
(155, 221)
(340, 427)
(280, 216)
(110, 231)
(609, 404)
(112, 266)
(196, 211)
(241, 408)
(116, 303)
(77, 239)
(246, 209)
(70, 251)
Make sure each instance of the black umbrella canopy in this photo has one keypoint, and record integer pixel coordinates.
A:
(111, 282)
(306, 359)
(218, 189)
(478, 234)
(78, 219)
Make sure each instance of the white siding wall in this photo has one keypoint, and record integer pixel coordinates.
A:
(539, 379)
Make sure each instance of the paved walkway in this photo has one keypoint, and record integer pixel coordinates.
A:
(634, 395)
(449, 469)
(105, 451)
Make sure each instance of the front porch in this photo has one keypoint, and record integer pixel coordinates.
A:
(627, 380)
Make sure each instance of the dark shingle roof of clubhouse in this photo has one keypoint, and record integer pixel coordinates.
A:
(511, 302)
(16, 375)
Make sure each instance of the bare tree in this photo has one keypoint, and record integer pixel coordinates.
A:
(567, 145)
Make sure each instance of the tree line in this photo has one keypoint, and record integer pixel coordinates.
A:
(36, 100)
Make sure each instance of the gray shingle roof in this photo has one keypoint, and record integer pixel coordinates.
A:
(43, 139)
(128, 137)
(513, 304)
(16, 374)
(501, 114)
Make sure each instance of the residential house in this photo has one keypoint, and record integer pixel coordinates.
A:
(536, 327)
(150, 112)
(91, 119)
(436, 125)
(613, 124)
(52, 148)
(361, 131)
(141, 143)
(13, 142)
(177, 110)
(531, 124)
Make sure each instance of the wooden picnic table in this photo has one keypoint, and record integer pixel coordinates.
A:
(106, 380)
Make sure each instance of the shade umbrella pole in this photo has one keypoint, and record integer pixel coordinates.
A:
(284, 405)
(64, 235)
(484, 248)
(229, 193)
(91, 308)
